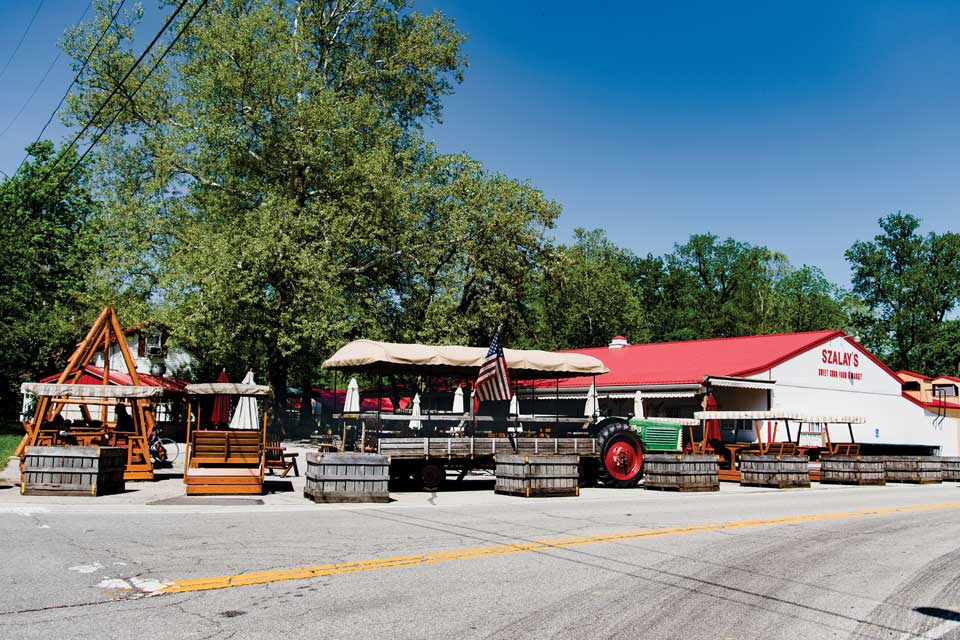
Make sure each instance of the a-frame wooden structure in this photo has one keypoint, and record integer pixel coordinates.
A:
(41, 427)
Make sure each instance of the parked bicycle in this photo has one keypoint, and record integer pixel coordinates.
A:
(162, 450)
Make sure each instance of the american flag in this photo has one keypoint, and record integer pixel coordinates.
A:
(493, 381)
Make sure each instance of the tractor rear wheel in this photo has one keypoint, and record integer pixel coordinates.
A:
(621, 454)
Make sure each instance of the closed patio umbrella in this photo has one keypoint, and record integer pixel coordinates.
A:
(245, 415)
(220, 415)
(458, 400)
(351, 403)
(514, 406)
(414, 423)
(638, 405)
(592, 407)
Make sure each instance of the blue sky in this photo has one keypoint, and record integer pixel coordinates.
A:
(794, 125)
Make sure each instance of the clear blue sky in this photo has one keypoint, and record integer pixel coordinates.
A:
(795, 126)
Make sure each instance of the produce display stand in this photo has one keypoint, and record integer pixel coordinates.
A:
(769, 445)
(223, 460)
(46, 427)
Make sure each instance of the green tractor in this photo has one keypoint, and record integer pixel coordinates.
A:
(624, 442)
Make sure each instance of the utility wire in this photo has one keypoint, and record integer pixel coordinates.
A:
(76, 78)
(133, 93)
(33, 93)
(20, 42)
(113, 92)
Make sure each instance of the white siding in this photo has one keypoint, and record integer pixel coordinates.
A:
(858, 386)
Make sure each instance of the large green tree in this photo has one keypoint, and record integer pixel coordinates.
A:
(47, 257)
(282, 198)
(588, 294)
(908, 283)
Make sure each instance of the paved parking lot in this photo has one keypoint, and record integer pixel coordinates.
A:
(865, 562)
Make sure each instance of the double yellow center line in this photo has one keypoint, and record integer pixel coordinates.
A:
(302, 573)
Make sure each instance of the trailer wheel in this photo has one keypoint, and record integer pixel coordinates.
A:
(621, 454)
(587, 471)
(432, 476)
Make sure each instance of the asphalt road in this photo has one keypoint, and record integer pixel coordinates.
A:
(858, 562)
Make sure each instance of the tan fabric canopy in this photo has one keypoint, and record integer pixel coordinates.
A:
(390, 357)
(228, 389)
(777, 415)
(90, 390)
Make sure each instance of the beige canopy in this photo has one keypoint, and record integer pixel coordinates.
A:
(777, 415)
(228, 389)
(390, 357)
(89, 390)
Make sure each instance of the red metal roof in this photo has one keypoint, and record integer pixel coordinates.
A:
(94, 375)
(689, 361)
(903, 372)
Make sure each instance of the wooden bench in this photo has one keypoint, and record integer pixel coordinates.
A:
(225, 462)
(845, 449)
(225, 447)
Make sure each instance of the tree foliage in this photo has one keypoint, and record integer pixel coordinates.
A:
(276, 166)
(588, 295)
(908, 283)
(46, 251)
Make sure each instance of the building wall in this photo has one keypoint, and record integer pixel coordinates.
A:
(839, 378)
(176, 359)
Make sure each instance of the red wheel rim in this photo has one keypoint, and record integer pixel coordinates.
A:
(623, 460)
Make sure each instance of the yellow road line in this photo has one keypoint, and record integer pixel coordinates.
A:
(301, 573)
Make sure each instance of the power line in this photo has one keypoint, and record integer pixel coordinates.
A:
(132, 94)
(76, 78)
(33, 93)
(20, 42)
(113, 92)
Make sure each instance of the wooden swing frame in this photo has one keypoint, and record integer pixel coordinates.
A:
(51, 400)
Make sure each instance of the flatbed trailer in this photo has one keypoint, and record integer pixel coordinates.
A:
(422, 448)
(427, 460)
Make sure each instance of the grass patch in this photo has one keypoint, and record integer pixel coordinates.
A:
(8, 444)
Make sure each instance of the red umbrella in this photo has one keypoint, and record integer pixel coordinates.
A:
(220, 416)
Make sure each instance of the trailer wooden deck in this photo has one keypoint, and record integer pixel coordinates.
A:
(471, 448)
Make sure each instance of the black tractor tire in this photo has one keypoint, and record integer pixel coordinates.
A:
(621, 454)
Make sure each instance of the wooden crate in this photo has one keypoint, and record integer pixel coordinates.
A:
(913, 469)
(72, 471)
(673, 472)
(858, 470)
(347, 477)
(951, 469)
(782, 472)
(537, 476)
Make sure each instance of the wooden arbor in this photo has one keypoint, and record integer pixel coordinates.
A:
(225, 461)
(100, 426)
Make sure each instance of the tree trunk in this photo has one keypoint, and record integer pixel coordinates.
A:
(277, 366)
(306, 405)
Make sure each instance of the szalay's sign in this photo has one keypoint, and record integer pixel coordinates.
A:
(850, 360)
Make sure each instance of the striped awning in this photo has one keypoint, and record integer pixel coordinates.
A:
(90, 390)
(740, 383)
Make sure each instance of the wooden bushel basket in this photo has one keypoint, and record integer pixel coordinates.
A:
(914, 469)
(951, 469)
(855, 470)
(73, 471)
(674, 472)
(347, 477)
(782, 472)
(537, 476)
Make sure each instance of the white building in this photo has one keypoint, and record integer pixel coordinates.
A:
(813, 373)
